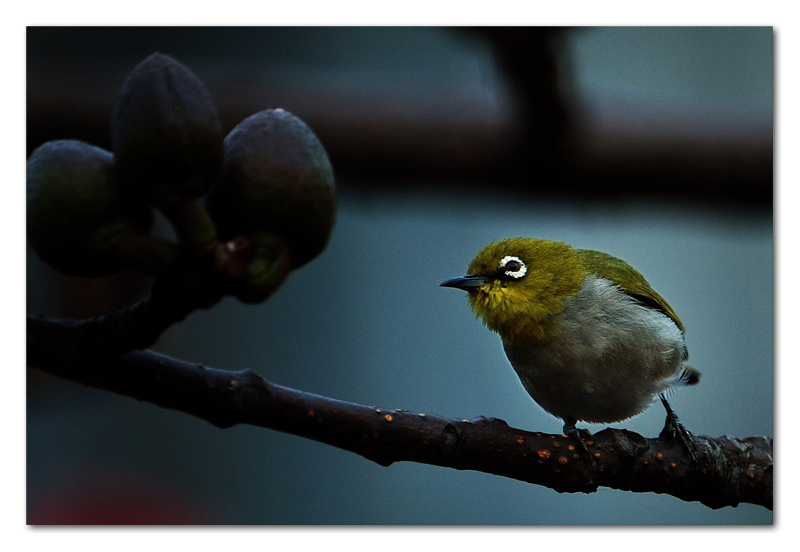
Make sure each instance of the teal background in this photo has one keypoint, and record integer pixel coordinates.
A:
(367, 322)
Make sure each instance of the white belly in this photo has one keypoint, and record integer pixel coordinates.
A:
(606, 359)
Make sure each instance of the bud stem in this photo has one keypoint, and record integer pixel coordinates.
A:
(147, 254)
(191, 222)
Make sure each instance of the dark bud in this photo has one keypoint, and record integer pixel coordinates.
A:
(76, 209)
(165, 132)
(276, 179)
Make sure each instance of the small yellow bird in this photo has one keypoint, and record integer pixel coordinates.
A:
(588, 337)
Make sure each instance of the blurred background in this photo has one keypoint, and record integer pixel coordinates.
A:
(654, 144)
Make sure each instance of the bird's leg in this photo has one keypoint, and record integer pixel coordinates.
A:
(673, 429)
(580, 435)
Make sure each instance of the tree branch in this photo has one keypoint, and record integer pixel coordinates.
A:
(728, 471)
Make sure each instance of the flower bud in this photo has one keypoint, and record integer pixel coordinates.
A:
(266, 272)
(165, 132)
(276, 178)
(76, 209)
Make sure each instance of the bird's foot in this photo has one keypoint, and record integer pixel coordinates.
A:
(674, 431)
(580, 435)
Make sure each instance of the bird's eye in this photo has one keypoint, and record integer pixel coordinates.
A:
(513, 267)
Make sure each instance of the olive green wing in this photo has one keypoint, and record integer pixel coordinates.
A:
(627, 278)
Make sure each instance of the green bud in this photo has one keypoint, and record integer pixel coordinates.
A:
(165, 132)
(76, 209)
(276, 179)
(266, 272)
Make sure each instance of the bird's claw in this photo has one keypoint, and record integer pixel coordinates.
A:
(674, 430)
(580, 435)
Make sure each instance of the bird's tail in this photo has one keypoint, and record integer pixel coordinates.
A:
(689, 376)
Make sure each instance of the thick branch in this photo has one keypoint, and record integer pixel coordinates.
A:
(729, 471)
(198, 279)
(92, 340)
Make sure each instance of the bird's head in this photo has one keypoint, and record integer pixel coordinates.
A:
(516, 286)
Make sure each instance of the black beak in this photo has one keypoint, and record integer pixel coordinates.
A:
(465, 282)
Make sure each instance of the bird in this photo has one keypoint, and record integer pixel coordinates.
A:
(588, 336)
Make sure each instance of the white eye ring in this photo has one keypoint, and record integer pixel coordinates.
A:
(517, 274)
